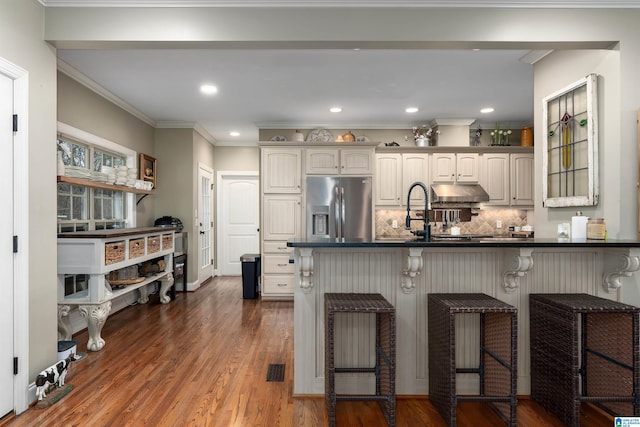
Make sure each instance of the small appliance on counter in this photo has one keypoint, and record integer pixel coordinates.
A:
(169, 221)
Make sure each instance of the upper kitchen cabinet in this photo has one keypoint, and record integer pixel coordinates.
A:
(339, 161)
(507, 178)
(522, 179)
(394, 175)
(450, 168)
(281, 170)
(495, 179)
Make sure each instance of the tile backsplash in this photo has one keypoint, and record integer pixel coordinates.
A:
(483, 223)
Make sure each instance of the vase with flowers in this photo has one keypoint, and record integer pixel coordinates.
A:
(500, 136)
(423, 135)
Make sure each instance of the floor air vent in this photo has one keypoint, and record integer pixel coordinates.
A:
(275, 372)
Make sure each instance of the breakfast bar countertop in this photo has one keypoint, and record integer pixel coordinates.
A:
(506, 242)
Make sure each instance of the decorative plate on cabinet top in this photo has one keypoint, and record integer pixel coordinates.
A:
(279, 138)
(362, 138)
(320, 135)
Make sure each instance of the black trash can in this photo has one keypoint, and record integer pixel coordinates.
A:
(250, 275)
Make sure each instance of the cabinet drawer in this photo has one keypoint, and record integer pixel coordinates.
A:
(277, 284)
(277, 248)
(136, 248)
(153, 244)
(167, 241)
(277, 264)
(113, 252)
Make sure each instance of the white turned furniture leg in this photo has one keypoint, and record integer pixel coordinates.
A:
(96, 316)
(144, 295)
(165, 284)
(64, 325)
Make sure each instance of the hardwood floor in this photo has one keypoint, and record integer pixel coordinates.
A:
(202, 361)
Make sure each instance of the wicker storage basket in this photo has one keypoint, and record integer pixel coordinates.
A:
(113, 252)
(167, 241)
(153, 244)
(136, 248)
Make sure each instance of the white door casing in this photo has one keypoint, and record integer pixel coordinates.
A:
(6, 252)
(205, 223)
(238, 219)
(14, 173)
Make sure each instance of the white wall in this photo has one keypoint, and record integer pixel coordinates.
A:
(552, 74)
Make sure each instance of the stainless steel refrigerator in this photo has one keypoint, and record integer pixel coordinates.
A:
(339, 208)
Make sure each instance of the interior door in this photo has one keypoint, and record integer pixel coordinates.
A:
(205, 223)
(239, 221)
(6, 248)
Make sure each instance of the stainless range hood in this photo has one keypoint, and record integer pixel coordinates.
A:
(458, 193)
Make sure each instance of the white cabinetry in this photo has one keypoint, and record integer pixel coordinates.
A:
(339, 161)
(281, 218)
(394, 175)
(281, 170)
(507, 178)
(449, 168)
(494, 178)
(522, 180)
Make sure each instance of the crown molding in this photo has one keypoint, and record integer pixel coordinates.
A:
(76, 75)
(179, 124)
(548, 4)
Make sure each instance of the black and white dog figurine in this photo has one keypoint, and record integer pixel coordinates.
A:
(53, 375)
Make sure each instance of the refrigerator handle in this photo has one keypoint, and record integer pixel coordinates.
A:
(336, 214)
(342, 216)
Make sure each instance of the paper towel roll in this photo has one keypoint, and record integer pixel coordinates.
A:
(579, 227)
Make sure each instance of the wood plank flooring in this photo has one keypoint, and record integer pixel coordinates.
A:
(202, 360)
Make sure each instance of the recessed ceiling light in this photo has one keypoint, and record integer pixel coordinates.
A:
(335, 109)
(208, 89)
(476, 50)
(487, 110)
(411, 110)
(234, 133)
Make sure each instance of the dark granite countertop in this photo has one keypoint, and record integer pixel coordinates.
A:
(501, 242)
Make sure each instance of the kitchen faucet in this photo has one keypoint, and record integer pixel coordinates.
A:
(426, 233)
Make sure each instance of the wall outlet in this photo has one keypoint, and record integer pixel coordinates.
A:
(498, 224)
(394, 224)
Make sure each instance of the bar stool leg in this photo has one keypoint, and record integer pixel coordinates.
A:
(329, 363)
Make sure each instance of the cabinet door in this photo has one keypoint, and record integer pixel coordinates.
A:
(467, 167)
(522, 179)
(281, 170)
(356, 161)
(494, 178)
(388, 179)
(415, 168)
(322, 161)
(282, 217)
(443, 168)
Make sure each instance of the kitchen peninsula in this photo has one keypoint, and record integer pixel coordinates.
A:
(406, 272)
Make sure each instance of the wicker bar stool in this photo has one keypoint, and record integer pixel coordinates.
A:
(385, 367)
(498, 354)
(584, 340)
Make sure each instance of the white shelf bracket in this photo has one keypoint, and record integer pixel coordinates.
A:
(306, 269)
(412, 270)
(516, 265)
(623, 264)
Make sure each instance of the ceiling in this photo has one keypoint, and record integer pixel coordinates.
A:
(294, 88)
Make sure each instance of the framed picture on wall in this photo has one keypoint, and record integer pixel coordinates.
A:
(570, 153)
(148, 169)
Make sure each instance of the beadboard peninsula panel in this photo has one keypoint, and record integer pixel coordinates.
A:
(445, 269)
